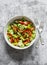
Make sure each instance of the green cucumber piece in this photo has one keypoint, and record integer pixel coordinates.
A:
(29, 26)
(27, 44)
(9, 27)
(11, 31)
(22, 46)
(15, 36)
(15, 44)
(33, 31)
(33, 35)
(20, 43)
(31, 38)
(22, 38)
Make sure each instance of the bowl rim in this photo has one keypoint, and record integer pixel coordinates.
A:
(5, 30)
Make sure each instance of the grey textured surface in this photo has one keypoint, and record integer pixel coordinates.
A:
(30, 56)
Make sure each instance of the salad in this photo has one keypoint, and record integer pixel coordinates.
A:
(21, 32)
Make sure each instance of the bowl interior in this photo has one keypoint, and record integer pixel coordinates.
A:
(5, 31)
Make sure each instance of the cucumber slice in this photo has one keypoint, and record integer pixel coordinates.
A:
(25, 26)
(18, 33)
(15, 36)
(33, 35)
(22, 26)
(29, 26)
(22, 38)
(33, 31)
(19, 25)
(31, 38)
(15, 24)
(8, 37)
(20, 43)
(27, 44)
(15, 44)
(11, 31)
(22, 46)
(9, 27)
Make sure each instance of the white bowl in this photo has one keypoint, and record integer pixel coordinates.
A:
(5, 32)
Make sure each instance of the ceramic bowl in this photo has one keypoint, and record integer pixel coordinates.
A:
(5, 32)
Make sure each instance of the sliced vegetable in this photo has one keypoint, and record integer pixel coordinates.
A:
(22, 26)
(26, 41)
(33, 36)
(33, 31)
(15, 36)
(20, 43)
(19, 34)
(9, 35)
(11, 40)
(24, 23)
(29, 26)
(27, 31)
(32, 28)
(15, 28)
(15, 43)
(16, 39)
(15, 25)
(9, 27)
(22, 38)
(11, 31)
(27, 44)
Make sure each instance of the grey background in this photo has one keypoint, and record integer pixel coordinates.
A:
(30, 8)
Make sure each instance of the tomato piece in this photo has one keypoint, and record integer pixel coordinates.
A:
(21, 22)
(24, 23)
(26, 41)
(11, 40)
(9, 34)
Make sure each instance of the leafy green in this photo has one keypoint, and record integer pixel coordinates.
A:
(23, 19)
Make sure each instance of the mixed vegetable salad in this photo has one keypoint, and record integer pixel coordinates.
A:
(21, 32)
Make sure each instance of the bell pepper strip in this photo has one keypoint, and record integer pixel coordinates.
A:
(15, 28)
(9, 35)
